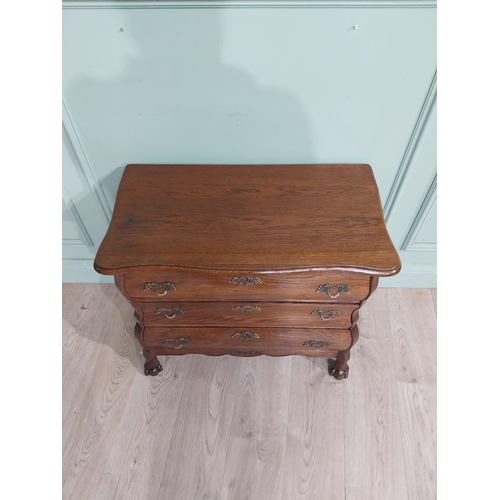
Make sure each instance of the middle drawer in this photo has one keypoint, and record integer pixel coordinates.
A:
(239, 313)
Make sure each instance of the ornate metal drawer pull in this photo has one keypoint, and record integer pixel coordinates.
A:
(245, 335)
(317, 346)
(244, 280)
(326, 289)
(246, 308)
(173, 312)
(325, 315)
(181, 341)
(154, 286)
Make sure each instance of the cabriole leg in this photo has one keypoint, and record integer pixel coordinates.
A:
(152, 366)
(340, 368)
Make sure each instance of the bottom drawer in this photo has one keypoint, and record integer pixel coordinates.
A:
(238, 341)
(248, 352)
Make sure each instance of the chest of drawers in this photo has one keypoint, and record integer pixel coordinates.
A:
(247, 260)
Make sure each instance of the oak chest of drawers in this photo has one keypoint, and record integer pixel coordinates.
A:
(247, 260)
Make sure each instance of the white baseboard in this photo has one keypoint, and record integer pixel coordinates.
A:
(412, 276)
(82, 271)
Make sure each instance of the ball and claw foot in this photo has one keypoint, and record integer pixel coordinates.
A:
(152, 367)
(340, 371)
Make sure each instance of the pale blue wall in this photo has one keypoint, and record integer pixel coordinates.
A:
(250, 82)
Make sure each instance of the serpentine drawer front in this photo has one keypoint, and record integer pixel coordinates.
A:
(189, 340)
(317, 286)
(247, 260)
(305, 314)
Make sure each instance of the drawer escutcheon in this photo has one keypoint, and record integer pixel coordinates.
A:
(245, 280)
(245, 335)
(246, 308)
(325, 315)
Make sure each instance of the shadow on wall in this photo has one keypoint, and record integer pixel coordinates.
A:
(175, 101)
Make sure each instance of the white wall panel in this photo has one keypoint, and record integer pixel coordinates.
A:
(414, 208)
(426, 237)
(249, 82)
(84, 221)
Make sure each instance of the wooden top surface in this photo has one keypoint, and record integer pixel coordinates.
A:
(248, 218)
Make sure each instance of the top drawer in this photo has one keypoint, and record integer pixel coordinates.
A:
(315, 286)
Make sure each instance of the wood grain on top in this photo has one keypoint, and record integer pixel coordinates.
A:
(248, 218)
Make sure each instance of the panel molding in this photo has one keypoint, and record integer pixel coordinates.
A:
(83, 162)
(423, 211)
(85, 238)
(242, 4)
(411, 146)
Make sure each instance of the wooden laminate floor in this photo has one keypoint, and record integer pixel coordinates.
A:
(228, 428)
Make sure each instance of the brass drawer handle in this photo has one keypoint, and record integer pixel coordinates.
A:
(326, 289)
(244, 280)
(181, 341)
(155, 286)
(173, 312)
(317, 346)
(325, 315)
(246, 308)
(245, 335)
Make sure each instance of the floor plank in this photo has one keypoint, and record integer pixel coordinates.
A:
(412, 314)
(138, 454)
(79, 481)
(253, 470)
(83, 321)
(197, 452)
(417, 405)
(434, 298)
(69, 301)
(314, 466)
(256, 452)
(373, 441)
(261, 405)
(413, 327)
(249, 428)
(96, 340)
(97, 379)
